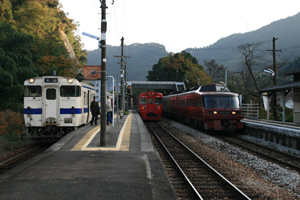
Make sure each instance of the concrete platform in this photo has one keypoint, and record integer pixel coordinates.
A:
(283, 133)
(76, 167)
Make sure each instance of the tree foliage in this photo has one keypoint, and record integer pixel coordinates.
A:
(31, 44)
(16, 65)
(179, 67)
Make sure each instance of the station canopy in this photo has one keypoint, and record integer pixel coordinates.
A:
(168, 85)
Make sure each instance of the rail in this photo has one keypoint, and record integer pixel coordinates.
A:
(176, 148)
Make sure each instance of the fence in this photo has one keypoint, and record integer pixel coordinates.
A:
(250, 110)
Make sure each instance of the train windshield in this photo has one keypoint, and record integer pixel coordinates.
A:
(221, 102)
(158, 100)
(33, 91)
(70, 91)
(143, 100)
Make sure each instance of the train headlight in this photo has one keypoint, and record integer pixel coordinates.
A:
(31, 80)
(233, 112)
(70, 80)
(215, 112)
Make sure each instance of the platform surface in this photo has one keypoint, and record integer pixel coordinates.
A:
(76, 167)
(284, 128)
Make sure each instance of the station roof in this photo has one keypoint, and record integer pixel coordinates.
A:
(168, 85)
(287, 86)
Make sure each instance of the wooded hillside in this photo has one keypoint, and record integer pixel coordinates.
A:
(36, 37)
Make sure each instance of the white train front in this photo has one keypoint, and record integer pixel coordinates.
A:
(55, 105)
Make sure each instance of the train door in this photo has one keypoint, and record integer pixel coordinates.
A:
(88, 106)
(151, 106)
(51, 105)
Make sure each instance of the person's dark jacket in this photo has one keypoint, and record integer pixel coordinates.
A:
(95, 108)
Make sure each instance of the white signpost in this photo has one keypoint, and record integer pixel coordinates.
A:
(98, 91)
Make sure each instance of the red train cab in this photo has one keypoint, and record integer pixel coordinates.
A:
(150, 105)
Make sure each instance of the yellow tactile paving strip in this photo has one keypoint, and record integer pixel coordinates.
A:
(122, 144)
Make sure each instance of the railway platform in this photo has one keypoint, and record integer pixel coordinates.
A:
(76, 167)
(283, 133)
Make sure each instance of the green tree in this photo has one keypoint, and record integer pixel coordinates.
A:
(15, 66)
(6, 14)
(31, 44)
(179, 67)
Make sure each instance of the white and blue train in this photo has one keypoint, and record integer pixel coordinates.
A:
(56, 105)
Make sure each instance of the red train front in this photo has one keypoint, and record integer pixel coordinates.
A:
(150, 105)
(213, 107)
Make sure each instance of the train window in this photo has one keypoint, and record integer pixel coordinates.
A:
(85, 98)
(51, 94)
(182, 103)
(143, 100)
(158, 100)
(190, 102)
(221, 102)
(151, 100)
(51, 80)
(70, 91)
(33, 91)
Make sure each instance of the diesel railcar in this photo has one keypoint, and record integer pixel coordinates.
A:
(150, 105)
(56, 105)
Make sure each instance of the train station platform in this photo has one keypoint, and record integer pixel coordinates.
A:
(76, 167)
(283, 133)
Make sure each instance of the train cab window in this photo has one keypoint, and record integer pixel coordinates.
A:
(221, 102)
(51, 94)
(143, 100)
(33, 91)
(70, 91)
(158, 100)
(151, 100)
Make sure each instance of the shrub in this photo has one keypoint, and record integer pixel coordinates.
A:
(10, 122)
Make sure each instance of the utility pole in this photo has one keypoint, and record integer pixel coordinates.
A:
(274, 77)
(103, 72)
(122, 77)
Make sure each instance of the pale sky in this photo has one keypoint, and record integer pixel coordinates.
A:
(175, 24)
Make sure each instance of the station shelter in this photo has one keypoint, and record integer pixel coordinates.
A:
(283, 90)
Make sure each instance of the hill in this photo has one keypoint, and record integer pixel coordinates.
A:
(224, 51)
(142, 58)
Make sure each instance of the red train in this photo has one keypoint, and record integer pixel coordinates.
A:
(150, 105)
(212, 106)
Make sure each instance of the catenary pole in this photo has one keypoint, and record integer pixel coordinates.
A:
(122, 105)
(274, 77)
(103, 73)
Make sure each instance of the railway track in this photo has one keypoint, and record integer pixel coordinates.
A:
(281, 158)
(22, 157)
(203, 181)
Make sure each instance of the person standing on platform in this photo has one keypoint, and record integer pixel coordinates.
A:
(108, 110)
(95, 111)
